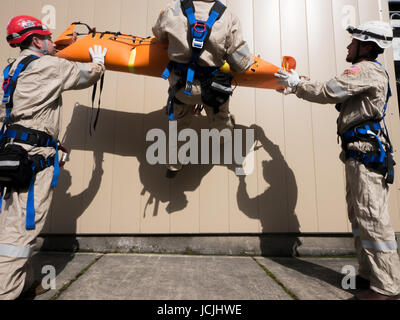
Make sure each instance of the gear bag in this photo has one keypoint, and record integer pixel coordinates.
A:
(15, 167)
(216, 90)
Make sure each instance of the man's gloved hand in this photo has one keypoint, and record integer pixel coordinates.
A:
(98, 54)
(287, 79)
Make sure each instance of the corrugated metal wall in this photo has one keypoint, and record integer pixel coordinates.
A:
(298, 182)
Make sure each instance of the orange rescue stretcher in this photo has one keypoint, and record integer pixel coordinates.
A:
(148, 56)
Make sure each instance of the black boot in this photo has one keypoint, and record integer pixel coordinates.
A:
(362, 283)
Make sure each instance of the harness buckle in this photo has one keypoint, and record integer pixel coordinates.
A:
(197, 44)
(6, 100)
(188, 88)
(36, 135)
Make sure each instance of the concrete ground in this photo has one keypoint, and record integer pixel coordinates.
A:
(99, 276)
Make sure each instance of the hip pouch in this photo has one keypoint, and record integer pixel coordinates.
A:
(217, 89)
(15, 167)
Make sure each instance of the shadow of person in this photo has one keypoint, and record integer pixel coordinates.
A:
(277, 211)
(275, 207)
(124, 134)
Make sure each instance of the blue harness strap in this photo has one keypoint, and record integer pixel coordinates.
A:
(30, 206)
(9, 85)
(199, 32)
(1, 196)
(28, 136)
(381, 160)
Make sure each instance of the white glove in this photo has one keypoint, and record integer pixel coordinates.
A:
(98, 54)
(287, 79)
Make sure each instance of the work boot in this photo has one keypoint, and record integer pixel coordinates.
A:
(36, 289)
(372, 295)
(362, 283)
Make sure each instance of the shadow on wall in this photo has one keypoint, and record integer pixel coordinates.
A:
(278, 199)
(275, 208)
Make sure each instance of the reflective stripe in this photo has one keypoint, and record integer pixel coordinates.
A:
(221, 87)
(14, 251)
(84, 73)
(177, 10)
(7, 163)
(356, 232)
(337, 90)
(238, 56)
(383, 246)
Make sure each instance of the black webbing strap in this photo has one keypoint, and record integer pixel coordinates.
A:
(98, 106)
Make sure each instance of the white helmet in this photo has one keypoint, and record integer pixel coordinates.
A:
(377, 31)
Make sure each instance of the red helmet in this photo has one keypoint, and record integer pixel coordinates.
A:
(21, 27)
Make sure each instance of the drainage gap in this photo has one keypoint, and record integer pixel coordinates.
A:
(273, 277)
(82, 272)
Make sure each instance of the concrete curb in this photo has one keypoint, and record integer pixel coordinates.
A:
(277, 245)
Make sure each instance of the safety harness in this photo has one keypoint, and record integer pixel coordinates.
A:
(20, 134)
(380, 160)
(199, 32)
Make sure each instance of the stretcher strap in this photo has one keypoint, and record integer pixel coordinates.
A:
(98, 106)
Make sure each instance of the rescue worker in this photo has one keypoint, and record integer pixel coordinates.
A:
(361, 94)
(215, 36)
(35, 114)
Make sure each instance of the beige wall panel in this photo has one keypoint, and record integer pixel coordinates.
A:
(369, 10)
(72, 189)
(21, 7)
(394, 129)
(214, 206)
(276, 181)
(331, 206)
(243, 107)
(28, 7)
(297, 183)
(97, 217)
(245, 11)
(297, 113)
(345, 12)
(7, 12)
(128, 142)
(155, 218)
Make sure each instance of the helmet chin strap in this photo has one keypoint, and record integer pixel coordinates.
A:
(44, 51)
(358, 57)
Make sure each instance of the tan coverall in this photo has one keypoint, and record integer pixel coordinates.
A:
(362, 91)
(37, 105)
(225, 43)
